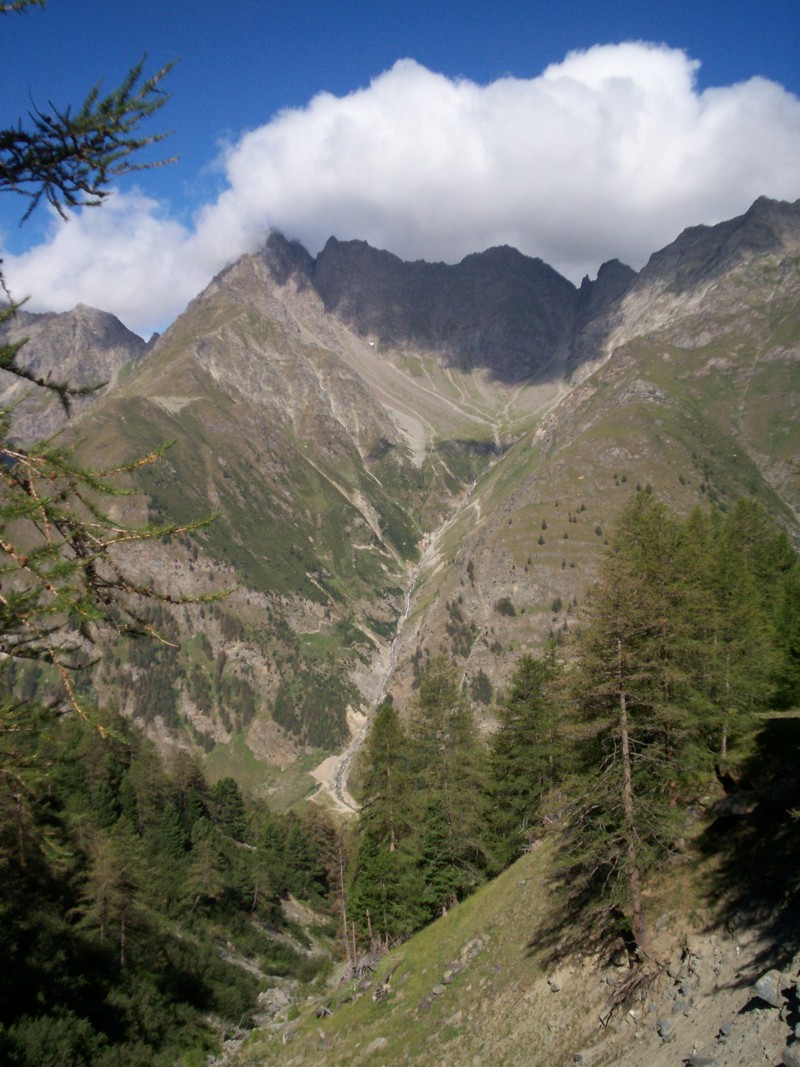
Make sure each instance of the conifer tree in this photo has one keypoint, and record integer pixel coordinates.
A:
(624, 683)
(205, 883)
(526, 757)
(673, 661)
(170, 834)
(61, 550)
(69, 157)
(787, 636)
(450, 768)
(386, 893)
(385, 885)
(386, 789)
(228, 808)
(741, 652)
(772, 565)
(111, 893)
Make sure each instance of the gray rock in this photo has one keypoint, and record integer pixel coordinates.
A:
(666, 1029)
(768, 987)
(791, 1056)
(438, 990)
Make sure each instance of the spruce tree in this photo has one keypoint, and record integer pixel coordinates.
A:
(787, 637)
(228, 810)
(742, 650)
(385, 899)
(772, 565)
(386, 792)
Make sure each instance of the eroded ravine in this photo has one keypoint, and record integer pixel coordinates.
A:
(333, 772)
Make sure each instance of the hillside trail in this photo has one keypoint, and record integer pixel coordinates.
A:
(333, 772)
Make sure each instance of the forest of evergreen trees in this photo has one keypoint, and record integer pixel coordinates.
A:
(130, 887)
(692, 631)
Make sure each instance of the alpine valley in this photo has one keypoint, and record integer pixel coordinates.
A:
(407, 459)
(414, 475)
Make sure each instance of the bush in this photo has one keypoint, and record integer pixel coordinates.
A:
(503, 606)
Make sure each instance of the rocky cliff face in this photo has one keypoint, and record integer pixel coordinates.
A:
(410, 458)
(84, 347)
(497, 310)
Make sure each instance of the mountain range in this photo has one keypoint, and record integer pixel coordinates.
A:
(413, 458)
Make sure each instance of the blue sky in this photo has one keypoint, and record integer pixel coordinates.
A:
(467, 145)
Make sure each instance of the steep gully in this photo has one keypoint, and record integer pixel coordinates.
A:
(332, 774)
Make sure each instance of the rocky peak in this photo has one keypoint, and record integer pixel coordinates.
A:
(84, 346)
(702, 253)
(497, 309)
(598, 304)
(613, 280)
(286, 259)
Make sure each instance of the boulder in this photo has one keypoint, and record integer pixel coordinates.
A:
(769, 988)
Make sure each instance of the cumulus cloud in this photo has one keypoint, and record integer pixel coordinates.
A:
(610, 153)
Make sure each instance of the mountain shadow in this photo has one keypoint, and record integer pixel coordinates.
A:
(497, 310)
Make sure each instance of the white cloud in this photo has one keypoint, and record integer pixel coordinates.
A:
(610, 153)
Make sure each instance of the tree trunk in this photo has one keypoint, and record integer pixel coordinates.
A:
(669, 757)
(345, 932)
(723, 748)
(20, 835)
(634, 876)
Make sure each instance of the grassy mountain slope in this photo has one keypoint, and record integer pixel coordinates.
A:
(325, 461)
(694, 390)
(503, 979)
(439, 449)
